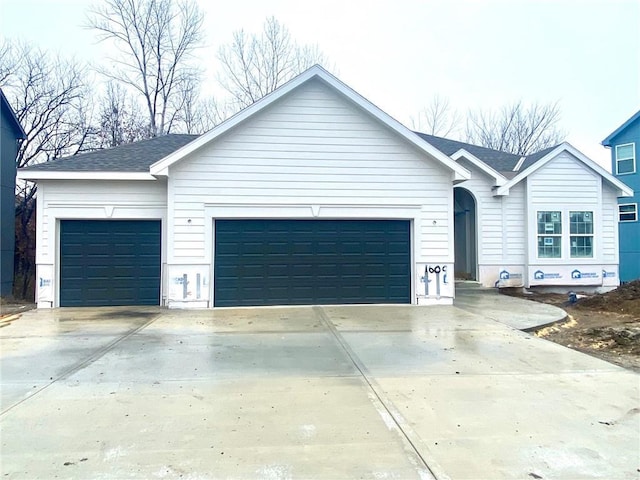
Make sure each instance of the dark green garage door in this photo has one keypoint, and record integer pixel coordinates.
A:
(109, 262)
(307, 262)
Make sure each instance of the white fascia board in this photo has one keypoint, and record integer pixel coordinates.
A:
(55, 175)
(497, 176)
(161, 167)
(519, 164)
(623, 190)
(460, 173)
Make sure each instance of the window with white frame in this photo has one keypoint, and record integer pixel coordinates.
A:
(625, 158)
(628, 212)
(549, 234)
(581, 234)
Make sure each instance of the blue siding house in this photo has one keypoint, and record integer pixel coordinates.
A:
(10, 134)
(624, 143)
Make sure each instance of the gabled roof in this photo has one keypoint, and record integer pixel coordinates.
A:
(607, 141)
(551, 153)
(134, 157)
(8, 112)
(316, 72)
(498, 164)
(498, 178)
(496, 159)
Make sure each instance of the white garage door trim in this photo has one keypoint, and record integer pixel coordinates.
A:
(49, 276)
(305, 212)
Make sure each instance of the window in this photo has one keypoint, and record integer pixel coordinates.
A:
(581, 234)
(549, 234)
(574, 239)
(628, 212)
(625, 158)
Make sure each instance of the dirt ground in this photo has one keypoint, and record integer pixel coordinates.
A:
(603, 325)
(10, 307)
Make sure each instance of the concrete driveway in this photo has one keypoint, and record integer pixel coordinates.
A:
(374, 392)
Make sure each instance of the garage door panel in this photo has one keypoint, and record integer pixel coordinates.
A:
(269, 262)
(109, 262)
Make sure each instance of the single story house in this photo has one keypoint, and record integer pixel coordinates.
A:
(313, 195)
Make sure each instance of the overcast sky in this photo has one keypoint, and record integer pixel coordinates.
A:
(400, 53)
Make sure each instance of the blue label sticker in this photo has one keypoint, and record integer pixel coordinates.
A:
(504, 275)
(539, 275)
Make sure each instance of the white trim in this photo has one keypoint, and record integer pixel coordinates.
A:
(633, 157)
(58, 212)
(55, 175)
(549, 235)
(161, 167)
(627, 213)
(519, 164)
(623, 190)
(412, 213)
(565, 237)
(497, 176)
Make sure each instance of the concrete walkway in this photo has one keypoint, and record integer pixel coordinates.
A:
(376, 392)
(525, 315)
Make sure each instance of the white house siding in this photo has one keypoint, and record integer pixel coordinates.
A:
(610, 239)
(565, 184)
(515, 233)
(310, 154)
(501, 242)
(90, 200)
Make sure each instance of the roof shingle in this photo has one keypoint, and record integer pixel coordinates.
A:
(132, 157)
(139, 156)
(502, 162)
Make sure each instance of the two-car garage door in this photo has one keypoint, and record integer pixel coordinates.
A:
(256, 262)
(306, 262)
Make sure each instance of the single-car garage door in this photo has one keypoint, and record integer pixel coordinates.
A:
(109, 262)
(306, 262)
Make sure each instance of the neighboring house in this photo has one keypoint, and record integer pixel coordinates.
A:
(313, 195)
(10, 134)
(624, 143)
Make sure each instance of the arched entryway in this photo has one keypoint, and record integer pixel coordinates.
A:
(465, 234)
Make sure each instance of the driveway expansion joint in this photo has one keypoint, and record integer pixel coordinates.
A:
(403, 427)
(78, 366)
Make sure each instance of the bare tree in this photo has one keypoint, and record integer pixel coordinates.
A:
(50, 98)
(437, 118)
(516, 128)
(8, 60)
(255, 65)
(119, 118)
(156, 40)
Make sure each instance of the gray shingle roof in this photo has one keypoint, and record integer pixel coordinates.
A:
(139, 156)
(132, 157)
(534, 157)
(502, 162)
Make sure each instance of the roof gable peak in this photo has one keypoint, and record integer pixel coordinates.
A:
(607, 141)
(161, 168)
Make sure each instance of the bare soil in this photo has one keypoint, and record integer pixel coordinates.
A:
(9, 306)
(606, 325)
